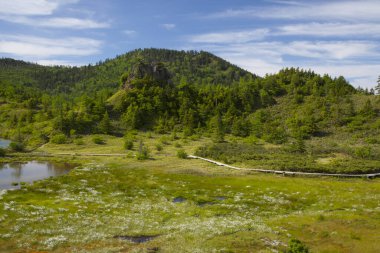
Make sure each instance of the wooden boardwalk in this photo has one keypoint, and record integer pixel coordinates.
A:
(289, 173)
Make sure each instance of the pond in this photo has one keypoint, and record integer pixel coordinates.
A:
(4, 143)
(12, 174)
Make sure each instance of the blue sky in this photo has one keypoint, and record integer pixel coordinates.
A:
(334, 37)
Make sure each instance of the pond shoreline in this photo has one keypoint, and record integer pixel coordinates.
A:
(13, 175)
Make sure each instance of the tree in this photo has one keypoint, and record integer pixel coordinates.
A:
(218, 128)
(377, 88)
(105, 124)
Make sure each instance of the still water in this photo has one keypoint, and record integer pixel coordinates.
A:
(16, 172)
(4, 143)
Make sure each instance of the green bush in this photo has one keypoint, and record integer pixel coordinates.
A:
(58, 139)
(128, 144)
(17, 146)
(298, 146)
(159, 147)
(79, 142)
(98, 140)
(363, 152)
(143, 152)
(2, 152)
(296, 246)
(181, 154)
(177, 145)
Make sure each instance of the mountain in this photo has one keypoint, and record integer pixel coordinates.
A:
(198, 68)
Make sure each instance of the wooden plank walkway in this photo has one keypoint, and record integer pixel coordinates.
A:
(288, 173)
(89, 154)
(74, 154)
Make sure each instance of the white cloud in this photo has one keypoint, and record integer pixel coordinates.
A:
(320, 50)
(74, 23)
(325, 50)
(58, 22)
(168, 26)
(330, 10)
(230, 37)
(330, 29)
(34, 7)
(30, 13)
(39, 47)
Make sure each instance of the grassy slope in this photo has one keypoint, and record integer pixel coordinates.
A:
(109, 196)
(336, 151)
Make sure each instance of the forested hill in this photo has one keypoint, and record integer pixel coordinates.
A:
(199, 68)
(164, 90)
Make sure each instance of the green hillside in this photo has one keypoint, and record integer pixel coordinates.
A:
(194, 93)
(197, 67)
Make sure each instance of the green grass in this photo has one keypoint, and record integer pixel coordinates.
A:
(224, 210)
(106, 197)
(277, 157)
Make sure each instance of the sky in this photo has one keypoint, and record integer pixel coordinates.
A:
(336, 37)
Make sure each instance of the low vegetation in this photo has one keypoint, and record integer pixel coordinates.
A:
(131, 124)
(216, 209)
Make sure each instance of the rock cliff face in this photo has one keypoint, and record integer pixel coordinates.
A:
(143, 72)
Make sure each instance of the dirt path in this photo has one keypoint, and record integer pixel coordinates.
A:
(287, 173)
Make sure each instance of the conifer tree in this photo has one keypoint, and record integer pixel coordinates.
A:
(105, 124)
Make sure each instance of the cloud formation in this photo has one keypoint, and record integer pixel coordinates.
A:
(333, 37)
(231, 37)
(30, 8)
(40, 47)
(40, 13)
(56, 22)
(322, 10)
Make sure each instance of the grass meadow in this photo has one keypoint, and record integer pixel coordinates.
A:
(182, 205)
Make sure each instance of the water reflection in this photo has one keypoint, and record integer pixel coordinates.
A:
(16, 172)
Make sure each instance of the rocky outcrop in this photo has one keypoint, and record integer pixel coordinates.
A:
(150, 73)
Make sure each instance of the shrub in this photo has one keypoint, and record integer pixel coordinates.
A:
(174, 136)
(79, 142)
(58, 139)
(177, 145)
(159, 147)
(181, 154)
(128, 144)
(98, 140)
(17, 146)
(298, 146)
(296, 246)
(2, 152)
(143, 153)
(363, 152)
